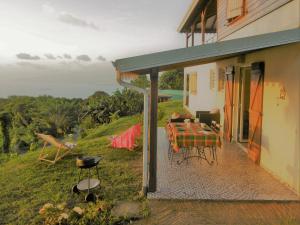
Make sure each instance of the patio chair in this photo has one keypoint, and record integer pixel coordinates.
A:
(62, 149)
(182, 152)
(171, 150)
(208, 116)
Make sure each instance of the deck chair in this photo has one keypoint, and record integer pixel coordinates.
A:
(62, 149)
(127, 138)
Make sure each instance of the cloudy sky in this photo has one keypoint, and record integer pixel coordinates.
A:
(65, 47)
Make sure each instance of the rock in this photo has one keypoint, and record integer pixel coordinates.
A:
(127, 209)
(78, 210)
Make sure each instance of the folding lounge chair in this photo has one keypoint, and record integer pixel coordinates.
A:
(62, 149)
(126, 139)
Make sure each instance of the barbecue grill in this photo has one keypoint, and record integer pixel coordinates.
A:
(88, 184)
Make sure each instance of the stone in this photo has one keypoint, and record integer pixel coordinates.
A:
(127, 209)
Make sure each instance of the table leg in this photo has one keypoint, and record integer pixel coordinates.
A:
(215, 153)
(201, 155)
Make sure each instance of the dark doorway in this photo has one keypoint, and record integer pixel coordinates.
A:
(244, 104)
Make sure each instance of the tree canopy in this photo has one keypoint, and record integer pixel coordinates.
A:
(172, 79)
(142, 82)
(21, 116)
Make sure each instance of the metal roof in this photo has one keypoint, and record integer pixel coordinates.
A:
(205, 53)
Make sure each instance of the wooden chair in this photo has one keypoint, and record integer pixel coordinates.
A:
(62, 149)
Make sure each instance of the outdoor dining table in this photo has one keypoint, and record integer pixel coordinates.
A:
(193, 135)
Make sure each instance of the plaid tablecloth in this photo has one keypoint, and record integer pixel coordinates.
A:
(193, 135)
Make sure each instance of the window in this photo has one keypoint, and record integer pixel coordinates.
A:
(193, 83)
(235, 9)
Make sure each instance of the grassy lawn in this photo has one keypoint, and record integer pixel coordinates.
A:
(27, 184)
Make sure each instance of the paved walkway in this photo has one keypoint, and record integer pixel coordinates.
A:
(166, 212)
(234, 178)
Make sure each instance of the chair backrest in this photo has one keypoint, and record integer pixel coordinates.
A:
(136, 129)
(180, 120)
(199, 113)
(51, 140)
(177, 120)
(208, 116)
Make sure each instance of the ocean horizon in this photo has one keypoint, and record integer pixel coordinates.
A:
(70, 80)
(58, 90)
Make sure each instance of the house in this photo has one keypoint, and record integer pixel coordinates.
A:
(257, 93)
(242, 57)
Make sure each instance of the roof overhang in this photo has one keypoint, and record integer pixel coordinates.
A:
(207, 53)
(193, 16)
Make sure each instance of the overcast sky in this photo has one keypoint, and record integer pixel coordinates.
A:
(74, 40)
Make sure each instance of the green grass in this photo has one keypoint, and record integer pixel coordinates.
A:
(166, 109)
(27, 184)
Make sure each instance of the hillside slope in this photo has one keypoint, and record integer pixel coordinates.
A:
(27, 184)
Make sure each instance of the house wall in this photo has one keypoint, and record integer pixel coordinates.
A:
(280, 153)
(205, 97)
(263, 16)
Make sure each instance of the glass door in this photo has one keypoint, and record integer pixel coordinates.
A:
(244, 103)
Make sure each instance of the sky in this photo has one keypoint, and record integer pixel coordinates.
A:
(65, 47)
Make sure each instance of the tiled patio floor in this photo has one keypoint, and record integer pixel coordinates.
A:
(234, 178)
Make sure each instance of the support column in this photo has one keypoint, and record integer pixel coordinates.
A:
(187, 39)
(193, 34)
(203, 26)
(153, 130)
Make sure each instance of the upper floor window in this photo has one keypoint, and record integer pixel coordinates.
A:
(235, 9)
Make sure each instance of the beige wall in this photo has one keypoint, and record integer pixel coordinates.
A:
(281, 118)
(284, 18)
(280, 150)
(205, 97)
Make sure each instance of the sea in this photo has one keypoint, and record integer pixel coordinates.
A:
(59, 80)
(67, 90)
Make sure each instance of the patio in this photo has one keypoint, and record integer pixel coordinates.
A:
(234, 178)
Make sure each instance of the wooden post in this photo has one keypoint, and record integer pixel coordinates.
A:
(187, 39)
(153, 130)
(193, 34)
(203, 26)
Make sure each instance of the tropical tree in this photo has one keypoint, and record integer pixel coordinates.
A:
(123, 102)
(142, 81)
(172, 79)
